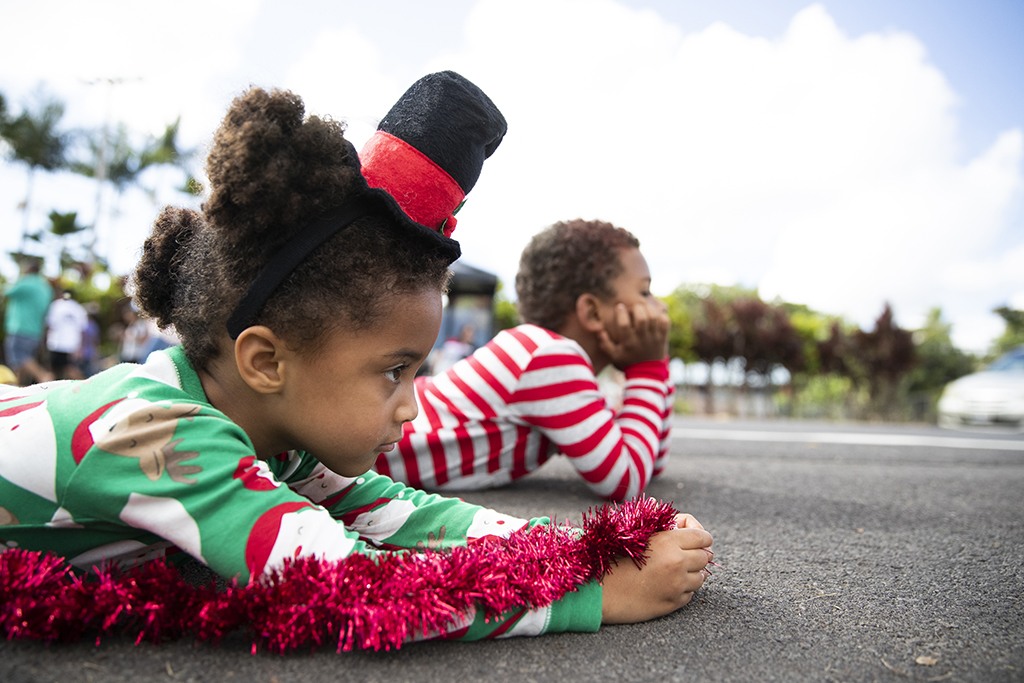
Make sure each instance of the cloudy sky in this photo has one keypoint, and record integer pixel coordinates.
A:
(841, 153)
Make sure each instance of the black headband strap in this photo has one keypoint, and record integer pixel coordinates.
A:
(293, 253)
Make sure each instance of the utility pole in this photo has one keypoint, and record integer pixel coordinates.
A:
(101, 167)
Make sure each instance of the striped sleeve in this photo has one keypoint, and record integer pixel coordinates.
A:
(666, 430)
(616, 454)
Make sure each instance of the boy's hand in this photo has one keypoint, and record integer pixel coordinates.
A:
(636, 334)
(676, 567)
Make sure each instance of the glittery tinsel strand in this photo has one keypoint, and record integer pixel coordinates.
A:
(361, 602)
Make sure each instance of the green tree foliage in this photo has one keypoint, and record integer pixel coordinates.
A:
(505, 313)
(36, 139)
(766, 338)
(938, 363)
(119, 161)
(833, 367)
(733, 327)
(697, 318)
(680, 333)
(164, 149)
(938, 360)
(1013, 332)
(712, 339)
(64, 224)
(811, 328)
(836, 352)
(882, 359)
(733, 324)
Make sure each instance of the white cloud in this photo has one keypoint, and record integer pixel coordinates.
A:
(161, 54)
(821, 167)
(359, 96)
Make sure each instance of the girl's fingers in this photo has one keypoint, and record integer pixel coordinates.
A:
(687, 521)
(695, 561)
(692, 538)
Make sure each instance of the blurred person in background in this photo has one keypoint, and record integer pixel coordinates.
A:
(25, 321)
(134, 337)
(158, 339)
(66, 322)
(89, 360)
(454, 349)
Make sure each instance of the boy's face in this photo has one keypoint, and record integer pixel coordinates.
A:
(633, 285)
(350, 401)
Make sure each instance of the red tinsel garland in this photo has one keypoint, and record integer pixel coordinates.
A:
(361, 602)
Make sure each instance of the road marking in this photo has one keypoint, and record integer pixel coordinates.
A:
(850, 438)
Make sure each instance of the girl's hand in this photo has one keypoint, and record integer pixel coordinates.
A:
(676, 567)
(636, 334)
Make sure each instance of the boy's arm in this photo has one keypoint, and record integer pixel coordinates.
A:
(661, 460)
(615, 453)
(648, 397)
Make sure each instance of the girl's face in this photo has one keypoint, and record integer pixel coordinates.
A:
(349, 402)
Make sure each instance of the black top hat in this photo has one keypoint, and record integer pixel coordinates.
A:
(429, 149)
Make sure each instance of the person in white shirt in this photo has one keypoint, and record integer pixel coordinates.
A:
(66, 322)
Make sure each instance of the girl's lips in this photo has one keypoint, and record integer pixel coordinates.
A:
(387, 448)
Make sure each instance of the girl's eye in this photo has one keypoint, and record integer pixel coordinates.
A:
(395, 374)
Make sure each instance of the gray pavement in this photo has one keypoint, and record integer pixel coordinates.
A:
(850, 553)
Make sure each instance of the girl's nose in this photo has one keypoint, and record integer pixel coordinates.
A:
(407, 409)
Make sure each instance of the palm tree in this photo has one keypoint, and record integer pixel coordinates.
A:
(120, 163)
(36, 139)
(164, 150)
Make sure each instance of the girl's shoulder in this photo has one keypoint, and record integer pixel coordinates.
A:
(165, 379)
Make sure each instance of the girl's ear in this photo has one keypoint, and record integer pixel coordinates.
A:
(260, 357)
(588, 312)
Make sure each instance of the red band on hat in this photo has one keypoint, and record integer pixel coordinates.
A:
(426, 193)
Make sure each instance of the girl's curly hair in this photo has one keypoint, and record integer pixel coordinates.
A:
(272, 171)
(562, 262)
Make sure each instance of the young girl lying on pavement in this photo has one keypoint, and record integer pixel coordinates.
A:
(306, 293)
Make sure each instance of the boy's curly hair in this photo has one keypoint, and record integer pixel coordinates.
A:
(272, 171)
(565, 260)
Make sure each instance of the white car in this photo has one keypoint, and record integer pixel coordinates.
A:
(994, 396)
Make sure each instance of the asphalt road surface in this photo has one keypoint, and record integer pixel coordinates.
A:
(849, 553)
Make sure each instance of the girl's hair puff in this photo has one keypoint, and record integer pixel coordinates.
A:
(272, 172)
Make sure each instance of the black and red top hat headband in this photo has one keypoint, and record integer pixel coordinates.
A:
(428, 151)
(426, 155)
